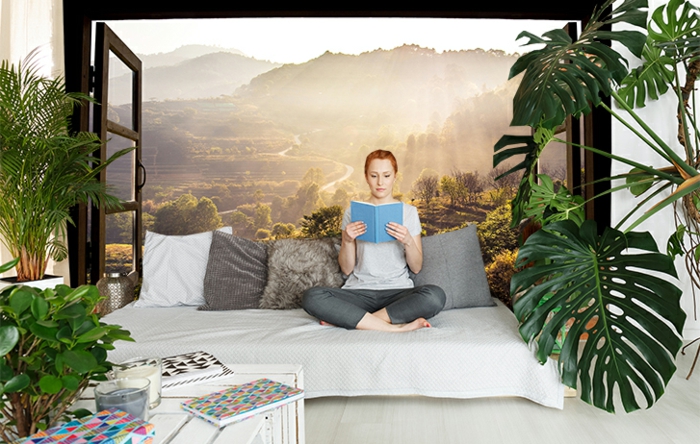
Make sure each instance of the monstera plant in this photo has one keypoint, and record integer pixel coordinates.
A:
(613, 289)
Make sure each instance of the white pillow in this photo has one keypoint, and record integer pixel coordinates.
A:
(174, 268)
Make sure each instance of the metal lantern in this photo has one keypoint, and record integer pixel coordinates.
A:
(118, 290)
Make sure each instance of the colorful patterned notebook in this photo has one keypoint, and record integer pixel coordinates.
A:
(192, 368)
(242, 401)
(105, 427)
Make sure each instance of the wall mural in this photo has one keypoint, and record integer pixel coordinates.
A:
(277, 150)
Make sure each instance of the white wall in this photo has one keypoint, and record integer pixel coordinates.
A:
(24, 26)
(661, 116)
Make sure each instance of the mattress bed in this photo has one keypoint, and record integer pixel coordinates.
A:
(468, 353)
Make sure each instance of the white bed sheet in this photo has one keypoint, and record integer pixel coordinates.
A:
(468, 353)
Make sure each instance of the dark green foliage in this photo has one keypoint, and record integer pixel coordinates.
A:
(612, 296)
(51, 344)
(564, 77)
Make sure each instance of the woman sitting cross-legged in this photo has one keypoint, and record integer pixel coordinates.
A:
(378, 294)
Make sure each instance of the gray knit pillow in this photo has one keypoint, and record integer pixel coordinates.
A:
(294, 265)
(236, 273)
(453, 262)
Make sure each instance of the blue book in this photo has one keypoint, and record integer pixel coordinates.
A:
(376, 217)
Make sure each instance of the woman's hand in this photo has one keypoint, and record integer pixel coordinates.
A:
(400, 233)
(412, 245)
(353, 230)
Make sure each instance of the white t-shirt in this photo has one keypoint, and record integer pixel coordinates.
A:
(382, 266)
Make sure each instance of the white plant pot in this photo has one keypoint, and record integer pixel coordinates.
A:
(42, 284)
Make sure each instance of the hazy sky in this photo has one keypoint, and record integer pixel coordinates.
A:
(297, 40)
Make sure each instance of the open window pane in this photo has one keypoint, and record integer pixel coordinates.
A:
(119, 248)
(120, 173)
(120, 91)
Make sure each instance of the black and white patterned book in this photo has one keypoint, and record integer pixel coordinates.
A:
(192, 368)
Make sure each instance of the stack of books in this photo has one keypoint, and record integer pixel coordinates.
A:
(192, 368)
(239, 402)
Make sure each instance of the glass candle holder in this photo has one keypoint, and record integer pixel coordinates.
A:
(126, 394)
(149, 368)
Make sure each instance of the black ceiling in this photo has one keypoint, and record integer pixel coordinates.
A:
(130, 9)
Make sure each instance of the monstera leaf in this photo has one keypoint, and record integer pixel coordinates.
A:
(676, 32)
(651, 79)
(507, 147)
(630, 316)
(564, 77)
(547, 205)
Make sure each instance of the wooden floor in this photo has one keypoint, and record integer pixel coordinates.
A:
(674, 419)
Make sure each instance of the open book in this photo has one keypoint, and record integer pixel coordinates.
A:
(239, 402)
(192, 368)
(376, 217)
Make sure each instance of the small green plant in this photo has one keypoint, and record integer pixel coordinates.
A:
(52, 344)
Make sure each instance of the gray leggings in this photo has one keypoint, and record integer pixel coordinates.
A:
(346, 307)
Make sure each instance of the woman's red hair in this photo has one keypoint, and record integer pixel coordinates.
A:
(381, 155)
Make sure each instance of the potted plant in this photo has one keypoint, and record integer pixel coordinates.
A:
(612, 287)
(51, 345)
(44, 169)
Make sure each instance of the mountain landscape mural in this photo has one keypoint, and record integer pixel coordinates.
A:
(277, 150)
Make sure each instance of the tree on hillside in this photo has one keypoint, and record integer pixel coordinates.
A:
(241, 224)
(495, 233)
(471, 183)
(426, 188)
(262, 217)
(187, 215)
(341, 198)
(324, 222)
(455, 190)
(314, 175)
(282, 231)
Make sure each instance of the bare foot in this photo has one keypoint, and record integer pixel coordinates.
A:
(327, 324)
(415, 325)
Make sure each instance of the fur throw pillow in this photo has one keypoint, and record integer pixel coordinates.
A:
(295, 265)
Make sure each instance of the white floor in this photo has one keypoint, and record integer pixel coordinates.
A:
(674, 419)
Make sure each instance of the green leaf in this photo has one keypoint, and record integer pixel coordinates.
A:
(9, 266)
(46, 333)
(9, 337)
(21, 300)
(547, 205)
(632, 317)
(565, 77)
(85, 327)
(643, 181)
(652, 79)
(676, 32)
(17, 383)
(92, 335)
(65, 335)
(47, 323)
(79, 360)
(50, 384)
(40, 308)
(6, 372)
(74, 311)
(71, 382)
(81, 413)
(100, 354)
(674, 246)
(531, 149)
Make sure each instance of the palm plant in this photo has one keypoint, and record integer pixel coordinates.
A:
(44, 169)
(612, 287)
